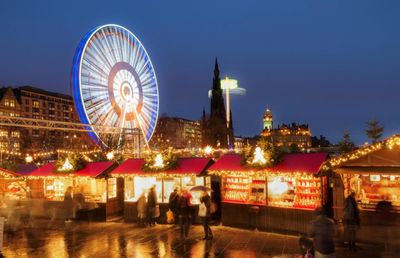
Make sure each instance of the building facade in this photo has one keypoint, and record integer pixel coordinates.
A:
(35, 103)
(288, 136)
(215, 131)
(178, 133)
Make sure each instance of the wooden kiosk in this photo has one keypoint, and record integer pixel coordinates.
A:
(281, 197)
(101, 194)
(188, 173)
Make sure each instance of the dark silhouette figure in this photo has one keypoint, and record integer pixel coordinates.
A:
(174, 203)
(151, 206)
(351, 220)
(206, 200)
(322, 229)
(184, 212)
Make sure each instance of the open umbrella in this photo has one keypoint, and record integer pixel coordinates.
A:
(200, 188)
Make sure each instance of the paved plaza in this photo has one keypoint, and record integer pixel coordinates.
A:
(113, 239)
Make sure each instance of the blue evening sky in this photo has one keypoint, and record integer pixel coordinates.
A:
(331, 64)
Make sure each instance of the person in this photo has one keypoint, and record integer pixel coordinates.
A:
(351, 220)
(141, 209)
(322, 230)
(184, 212)
(173, 204)
(206, 200)
(152, 206)
(79, 202)
(386, 219)
(68, 204)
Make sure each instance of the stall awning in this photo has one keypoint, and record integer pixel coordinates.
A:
(5, 173)
(185, 166)
(300, 162)
(229, 162)
(130, 166)
(92, 169)
(293, 162)
(191, 166)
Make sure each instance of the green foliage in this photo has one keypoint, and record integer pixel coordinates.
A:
(9, 165)
(374, 130)
(170, 161)
(346, 144)
(76, 160)
(272, 154)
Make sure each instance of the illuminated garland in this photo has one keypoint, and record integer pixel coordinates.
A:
(338, 161)
(71, 163)
(263, 156)
(154, 174)
(155, 162)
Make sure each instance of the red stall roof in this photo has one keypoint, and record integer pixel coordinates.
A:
(293, 162)
(92, 169)
(185, 166)
(129, 166)
(8, 173)
(300, 162)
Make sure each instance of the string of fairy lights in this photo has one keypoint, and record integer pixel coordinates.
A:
(389, 143)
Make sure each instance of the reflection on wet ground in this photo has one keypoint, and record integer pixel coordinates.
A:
(128, 240)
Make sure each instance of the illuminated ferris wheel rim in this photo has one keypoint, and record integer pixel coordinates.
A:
(76, 75)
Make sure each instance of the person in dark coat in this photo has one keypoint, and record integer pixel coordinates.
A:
(151, 206)
(184, 212)
(68, 204)
(206, 200)
(174, 203)
(351, 220)
(322, 230)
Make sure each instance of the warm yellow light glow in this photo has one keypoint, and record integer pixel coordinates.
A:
(158, 161)
(229, 84)
(66, 166)
(278, 187)
(110, 155)
(208, 150)
(28, 159)
(259, 156)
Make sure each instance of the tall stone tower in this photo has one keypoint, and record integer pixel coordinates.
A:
(268, 120)
(215, 130)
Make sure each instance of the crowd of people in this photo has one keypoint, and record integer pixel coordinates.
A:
(180, 213)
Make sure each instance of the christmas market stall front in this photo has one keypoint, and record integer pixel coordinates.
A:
(98, 194)
(373, 173)
(187, 173)
(281, 197)
(13, 192)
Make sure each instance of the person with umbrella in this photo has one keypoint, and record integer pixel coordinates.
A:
(184, 211)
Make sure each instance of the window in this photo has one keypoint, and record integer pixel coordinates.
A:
(112, 188)
(12, 103)
(3, 133)
(27, 102)
(27, 109)
(7, 102)
(44, 104)
(35, 110)
(15, 134)
(36, 104)
(35, 132)
(51, 105)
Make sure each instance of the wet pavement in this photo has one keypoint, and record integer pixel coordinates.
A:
(129, 240)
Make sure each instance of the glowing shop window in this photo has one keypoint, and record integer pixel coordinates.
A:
(55, 189)
(129, 189)
(112, 188)
(199, 180)
(142, 185)
(188, 182)
(3, 133)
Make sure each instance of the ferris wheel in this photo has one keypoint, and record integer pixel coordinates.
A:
(114, 82)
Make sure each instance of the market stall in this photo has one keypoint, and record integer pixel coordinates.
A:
(373, 173)
(49, 185)
(281, 197)
(188, 173)
(12, 186)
